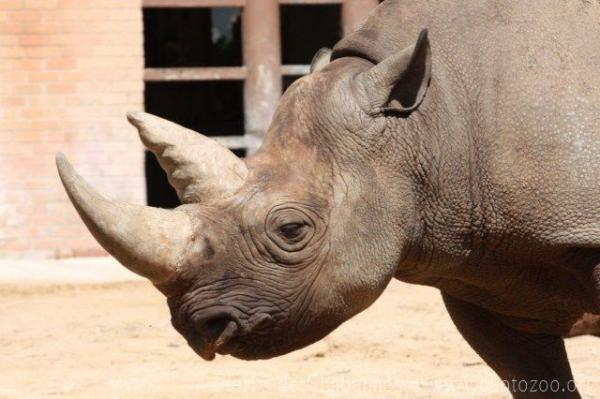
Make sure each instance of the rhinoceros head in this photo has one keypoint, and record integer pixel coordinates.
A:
(272, 253)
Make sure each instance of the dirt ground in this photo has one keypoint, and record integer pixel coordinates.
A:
(113, 340)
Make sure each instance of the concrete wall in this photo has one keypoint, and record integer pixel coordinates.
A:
(69, 70)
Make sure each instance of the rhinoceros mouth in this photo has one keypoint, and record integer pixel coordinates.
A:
(218, 332)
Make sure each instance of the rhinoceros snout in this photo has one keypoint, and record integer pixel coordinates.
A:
(215, 331)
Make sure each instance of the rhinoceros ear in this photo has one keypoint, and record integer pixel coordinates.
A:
(399, 82)
(320, 60)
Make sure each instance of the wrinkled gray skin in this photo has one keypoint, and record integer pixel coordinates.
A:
(498, 171)
(468, 161)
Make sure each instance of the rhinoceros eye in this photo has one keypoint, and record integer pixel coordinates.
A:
(290, 227)
(292, 231)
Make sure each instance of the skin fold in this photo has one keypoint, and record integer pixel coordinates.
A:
(450, 144)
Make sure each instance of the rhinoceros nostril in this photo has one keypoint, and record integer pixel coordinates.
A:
(214, 332)
(215, 326)
(211, 327)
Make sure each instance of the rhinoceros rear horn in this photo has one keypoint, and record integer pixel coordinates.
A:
(149, 241)
(399, 82)
(200, 169)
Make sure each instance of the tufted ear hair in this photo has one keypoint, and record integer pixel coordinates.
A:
(399, 82)
(320, 60)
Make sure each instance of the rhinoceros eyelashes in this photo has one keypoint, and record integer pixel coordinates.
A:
(294, 231)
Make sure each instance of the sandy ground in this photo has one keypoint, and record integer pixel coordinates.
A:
(84, 328)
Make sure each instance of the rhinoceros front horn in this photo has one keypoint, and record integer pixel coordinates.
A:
(149, 241)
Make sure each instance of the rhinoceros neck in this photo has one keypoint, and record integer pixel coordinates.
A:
(434, 151)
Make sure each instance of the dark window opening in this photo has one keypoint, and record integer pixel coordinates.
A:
(287, 81)
(211, 108)
(192, 37)
(306, 29)
(214, 108)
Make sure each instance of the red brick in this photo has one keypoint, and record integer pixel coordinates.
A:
(43, 100)
(35, 40)
(11, 27)
(14, 76)
(12, 102)
(27, 64)
(61, 88)
(8, 4)
(43, 76)
(43, 112)
(69, 70)
(27, 89)
(41, 3)
(24, 16)
(6, 40)
(100, 4)
(43, 27)
(12, 52)
(43, 52)
(61, 63)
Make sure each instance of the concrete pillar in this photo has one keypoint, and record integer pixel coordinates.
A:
(262, 58)
(354, 13)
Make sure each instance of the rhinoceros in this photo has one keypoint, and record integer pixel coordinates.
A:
(445, 143)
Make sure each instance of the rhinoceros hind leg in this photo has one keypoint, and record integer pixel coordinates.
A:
(523, 361)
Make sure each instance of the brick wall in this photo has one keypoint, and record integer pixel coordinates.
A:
(69, 70)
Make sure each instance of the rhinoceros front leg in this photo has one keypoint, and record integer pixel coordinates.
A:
(531, 366)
